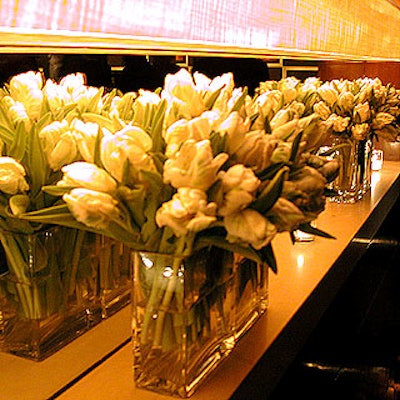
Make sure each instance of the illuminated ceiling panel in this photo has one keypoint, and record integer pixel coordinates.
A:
(349, 29)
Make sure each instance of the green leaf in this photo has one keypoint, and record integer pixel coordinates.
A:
(93, 105)
(126, 172)
(97, 149)
(134, 201)
(54, 211)
(108, 99)
(45, 119)
(209, 103)
(101, 120)
(334, 149)
(19, 203)
(270, 171)
(55, 190)
(263, 256)
(307, 228)
(271, 192)
(240, 101)
(37, 164)
(125, 107)
(217, 142)
(6, 135)
(267, 126)
(157, 127)
(63, 112)
(268, 257)
(295, 147)
(18, 146)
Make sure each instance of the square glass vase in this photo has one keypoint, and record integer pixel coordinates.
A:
(111, 266)
(354, 179)
(189, 313)
(55, 285)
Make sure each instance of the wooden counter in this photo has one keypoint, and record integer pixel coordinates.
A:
(309, 276)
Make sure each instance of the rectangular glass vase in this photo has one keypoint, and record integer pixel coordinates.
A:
(111, 265)
(189, 313)
(55, 285)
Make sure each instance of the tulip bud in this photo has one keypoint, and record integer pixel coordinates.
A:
(362, 113)
(249, 227)
(188, 210)
(235, 128)
(194, 166)
(58, 144)
(27, 89)
(181, 86)
(238, 186)
(256, 150)
(285, 215)
(130, 143)
(338, 123)
(57, 95)
(360, 131)
(288, 88)
(306, 190)
(12, 176)
(328, 93)
(346, 101)
(141, 107)
(281, 118)
(381, 119)
(92, 208)
(16, 111)
(197, 129)
(322, 109)
(288, 130)
(88, 176)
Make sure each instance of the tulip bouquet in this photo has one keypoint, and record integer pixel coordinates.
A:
(41, 129)
(359, 112)
(197, 164)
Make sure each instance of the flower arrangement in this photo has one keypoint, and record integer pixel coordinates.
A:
(356, 113)
(198, 163)
(41, 129)
(195, 166)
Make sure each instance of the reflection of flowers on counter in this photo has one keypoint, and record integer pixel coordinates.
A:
(39, 133)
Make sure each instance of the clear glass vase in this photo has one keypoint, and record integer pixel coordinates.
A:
(45, 291)
(112, 268)
(354, 179)
(189, 313)
(56, 284)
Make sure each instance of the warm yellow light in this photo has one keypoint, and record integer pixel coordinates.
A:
(300, 261)
(347, 29)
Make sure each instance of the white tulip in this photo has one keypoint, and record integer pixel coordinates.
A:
(12, 176)
(249, 227)
(130, 143)
(88, 176)
(188, 210)
(92, 208)
(194, 166)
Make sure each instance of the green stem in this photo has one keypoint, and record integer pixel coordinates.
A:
(172, 288)
(154, 300)
(16, 264)
(169, 291)
(80, 235)
(104, 261)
